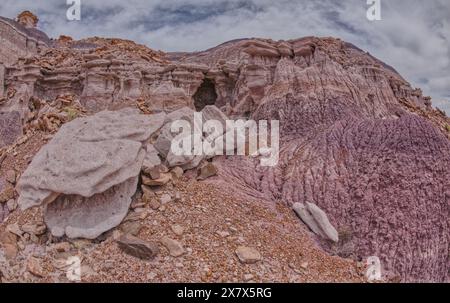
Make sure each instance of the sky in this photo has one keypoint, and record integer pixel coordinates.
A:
(413, 36)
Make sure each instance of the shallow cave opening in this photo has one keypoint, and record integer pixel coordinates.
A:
(205, 95)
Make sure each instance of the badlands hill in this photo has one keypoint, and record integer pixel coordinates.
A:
(363, 169)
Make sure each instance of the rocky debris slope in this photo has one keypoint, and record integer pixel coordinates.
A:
(195, 237)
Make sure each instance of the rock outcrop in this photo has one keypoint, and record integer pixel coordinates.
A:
(20, 38)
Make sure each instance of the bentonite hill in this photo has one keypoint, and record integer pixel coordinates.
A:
(87, 172)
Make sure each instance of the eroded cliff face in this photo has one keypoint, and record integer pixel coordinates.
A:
(356, 139)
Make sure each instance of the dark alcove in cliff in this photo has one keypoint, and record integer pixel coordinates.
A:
(205, 95)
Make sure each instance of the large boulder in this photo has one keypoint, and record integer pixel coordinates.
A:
(90, 166)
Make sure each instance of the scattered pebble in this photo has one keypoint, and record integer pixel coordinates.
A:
(177, 229)
(175, 248)
(248, 255)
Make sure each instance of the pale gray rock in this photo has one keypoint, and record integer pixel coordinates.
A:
(212, 112)
(304, 214)
(88, 156)
(12, 205)
(322, 220)
(175, 248)
(151, 158)
(11, 176)
(138, 248)
(87, 174)
(79, 217)
(165, 198)
(37, 229)
(178, 160)
(166, 136)
(164, 141)
(248, 255)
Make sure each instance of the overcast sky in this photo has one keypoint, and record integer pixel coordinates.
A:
(413, 35)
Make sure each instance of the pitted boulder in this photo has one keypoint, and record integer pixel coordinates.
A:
(79, 217)
(88, 156)
(88, 172)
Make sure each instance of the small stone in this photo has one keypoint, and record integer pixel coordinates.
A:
(137, 204)
(116, 235)
(151, 276)
(248, 255)
(154, 173)
(233, 229)
(147, 193)
(87, 271)
(35, 229)
(165, 198)
(8, 241)
(164, 179)
(108, 265)
(33, 238)
(14, 229)
(304, 265)
(131, 227)
(137, 247)
(11, 176)
(136, 215)
(151, 159)
(206, 171)
(179, 265)
(223, 234)
(154, 204)
(177, 229)
(248, 277)
(157, 171)
(20, 245)
(34, 266)
(177, 196)
(175, 248)
(177, 172)
(11, 204)
(6, 191)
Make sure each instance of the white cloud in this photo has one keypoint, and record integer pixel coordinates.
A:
(413, 36)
